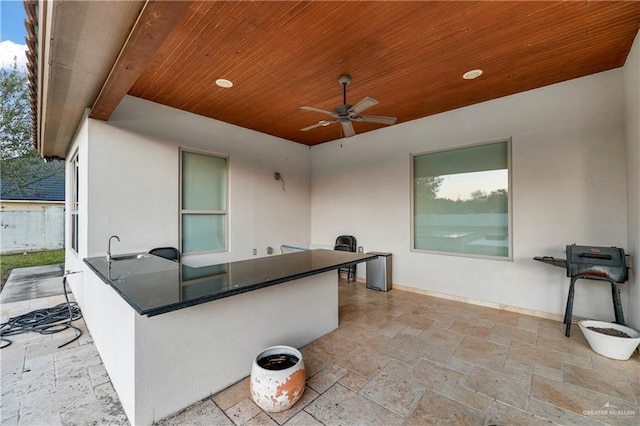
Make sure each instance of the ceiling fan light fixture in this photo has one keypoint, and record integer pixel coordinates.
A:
(224, 83)
(470, 75)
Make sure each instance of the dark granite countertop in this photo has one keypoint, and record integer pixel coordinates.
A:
(153, 285)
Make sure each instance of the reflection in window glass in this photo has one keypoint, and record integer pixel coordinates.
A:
(203, 203)
(202, 233)
(461, 201)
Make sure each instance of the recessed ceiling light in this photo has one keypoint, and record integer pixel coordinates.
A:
(470, 75)
(223, 82)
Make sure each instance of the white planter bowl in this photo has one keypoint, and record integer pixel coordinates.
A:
(613, 347)
(276, 390)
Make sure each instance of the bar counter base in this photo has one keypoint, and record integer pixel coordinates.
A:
(160, 365)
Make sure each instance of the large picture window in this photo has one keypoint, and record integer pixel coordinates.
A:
(203, 204)
(461, 201)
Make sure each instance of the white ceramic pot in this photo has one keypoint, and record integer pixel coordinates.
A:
(277, 378)
(613, 347)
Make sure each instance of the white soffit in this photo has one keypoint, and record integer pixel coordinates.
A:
(86, 38)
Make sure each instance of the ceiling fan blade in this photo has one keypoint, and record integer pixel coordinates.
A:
(376, 119)
(314, 109)
(347, 127)
(367, 102)
(320, 124)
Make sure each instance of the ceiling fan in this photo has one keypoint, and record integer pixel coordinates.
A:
(345, 113)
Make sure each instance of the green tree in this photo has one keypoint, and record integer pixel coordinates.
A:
(426, 188)
(16, 149)
(15, 113)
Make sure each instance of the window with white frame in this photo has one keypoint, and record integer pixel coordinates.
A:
(203, 202)
(75, 168)
(461, 201)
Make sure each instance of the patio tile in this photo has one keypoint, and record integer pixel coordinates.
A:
(504, 388)
(421, 348)
(203, 413)
(530, 354)
(415, 321)
(341, 406)
(373, 321)
(513, 334)
(261, 419)
(411, 331)
(635, 386)
(548, 372)
(89, 410)
(574, 398)
(353, 381)
(557, 341)
(366, 363)
(470, 329)
(436, 376)
(518, 369)
(501, 317)
(8, 410)
(579, 360)
(394, 393)
(243, 411)
(327, 377)
(283, 417)
(559, 416)
(45, 413)
(528, 323)
(392, 328)
(501, 414)
(373, 370)
(468, 397)
(616, 368)
(482, 353)
(318, 355)
(13, 421)
(437, 410)
(398, 368)
(399, 355)
(303, 419)
(98, 375)
(596, 381)
(37, 365)
(12, 360)
(441, 337)
(232, 395)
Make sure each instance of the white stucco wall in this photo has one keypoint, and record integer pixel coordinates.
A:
(631, 72)
(569, 185)
(128, 185)
(134, 163)
(73, 260)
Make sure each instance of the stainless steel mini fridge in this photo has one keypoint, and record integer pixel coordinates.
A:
(379, 272)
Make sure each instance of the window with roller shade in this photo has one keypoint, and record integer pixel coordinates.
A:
(203, 202)
(461, 201)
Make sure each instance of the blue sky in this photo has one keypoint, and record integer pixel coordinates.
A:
(12, 32)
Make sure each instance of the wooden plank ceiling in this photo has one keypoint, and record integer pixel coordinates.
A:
(408, 55)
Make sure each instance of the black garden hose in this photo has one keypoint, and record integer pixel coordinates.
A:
(44, 321)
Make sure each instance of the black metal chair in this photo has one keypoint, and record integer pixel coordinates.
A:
(347, 243)
(170, 253)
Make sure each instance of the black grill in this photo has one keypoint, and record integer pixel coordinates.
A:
(604, 262)
(592, 263)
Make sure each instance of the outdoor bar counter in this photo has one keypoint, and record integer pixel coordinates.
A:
(170, 335)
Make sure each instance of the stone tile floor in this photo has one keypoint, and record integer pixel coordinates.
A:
(397, 358)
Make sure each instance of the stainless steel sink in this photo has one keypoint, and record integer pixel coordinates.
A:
(130, 257)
